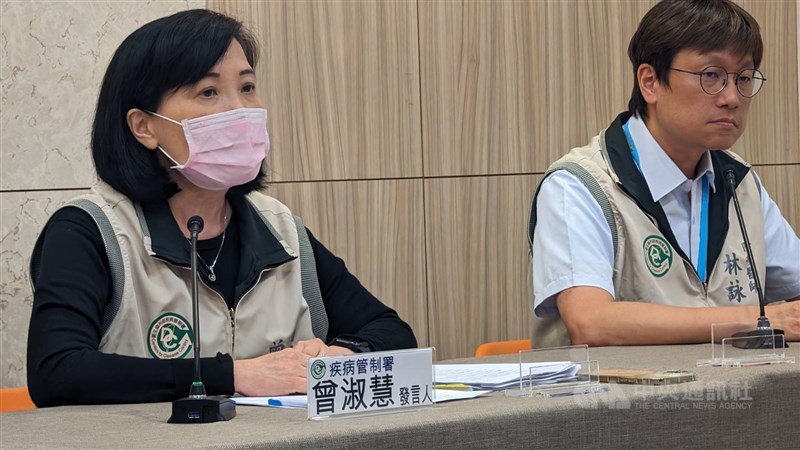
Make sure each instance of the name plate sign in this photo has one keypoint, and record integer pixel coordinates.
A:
(367, 383)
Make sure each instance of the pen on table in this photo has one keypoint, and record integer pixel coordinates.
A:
(454, 387)
(595, 390)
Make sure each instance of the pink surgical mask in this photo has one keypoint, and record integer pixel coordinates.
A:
(225, 149)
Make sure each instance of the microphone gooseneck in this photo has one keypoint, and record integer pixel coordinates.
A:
(764, 336)
(730, 176)
(198, 390)
(198, 407)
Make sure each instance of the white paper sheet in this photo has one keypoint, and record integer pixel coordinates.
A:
(301, 401)
(446, 395)
(284, 401)
(499, 376)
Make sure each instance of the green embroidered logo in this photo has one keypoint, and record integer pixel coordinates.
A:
(318, 369)
(169, 337)
(658, 255)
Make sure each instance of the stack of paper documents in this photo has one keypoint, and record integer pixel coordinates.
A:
(505, 376)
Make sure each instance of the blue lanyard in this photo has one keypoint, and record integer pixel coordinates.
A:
(634, 152)
(703, 250)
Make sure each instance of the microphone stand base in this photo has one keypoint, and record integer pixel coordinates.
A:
(202, 410)
(760, 339)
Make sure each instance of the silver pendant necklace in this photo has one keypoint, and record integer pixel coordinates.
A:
(211, 275)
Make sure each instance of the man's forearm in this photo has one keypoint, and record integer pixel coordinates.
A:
(598, 321)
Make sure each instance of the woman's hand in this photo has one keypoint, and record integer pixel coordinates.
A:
(282, 372)
(313, 348)
(278, 373)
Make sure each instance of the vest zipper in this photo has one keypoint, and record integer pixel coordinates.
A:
(211, 288)
(252, 286)
(233, 333)
(694, 271)
(199, 278)
(697, 277)
(232, 311)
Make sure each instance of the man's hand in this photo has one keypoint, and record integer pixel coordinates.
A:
(786, 317)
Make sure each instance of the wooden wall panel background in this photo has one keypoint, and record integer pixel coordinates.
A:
(478, 263)
(341, 82)
(783, 185)
(375, 227)
(773, 129)
(508, 87)
(467, 103)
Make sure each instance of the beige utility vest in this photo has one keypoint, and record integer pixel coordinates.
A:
(647, 266)
(150, 313)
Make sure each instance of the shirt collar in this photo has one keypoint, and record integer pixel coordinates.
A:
(630, 180)
(265, 248)
(661, 173)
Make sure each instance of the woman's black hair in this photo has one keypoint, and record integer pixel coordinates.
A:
(158, 58)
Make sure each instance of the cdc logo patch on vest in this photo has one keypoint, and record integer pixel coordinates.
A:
(657, 255)
(169, 337)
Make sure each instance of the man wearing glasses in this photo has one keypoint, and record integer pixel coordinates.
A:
(634, 237)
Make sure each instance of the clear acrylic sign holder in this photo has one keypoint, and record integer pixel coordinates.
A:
(419, 372)
(730, 350)
(571, 372)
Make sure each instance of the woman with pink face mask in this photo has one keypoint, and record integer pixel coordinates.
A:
(180, 131)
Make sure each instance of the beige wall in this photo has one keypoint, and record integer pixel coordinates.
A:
(409, 135)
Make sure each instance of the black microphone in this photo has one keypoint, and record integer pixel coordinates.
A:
(195, 225)
(198, 407)
(763, 327)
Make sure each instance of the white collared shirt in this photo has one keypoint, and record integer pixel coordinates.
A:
(680, 197)
(578, 248)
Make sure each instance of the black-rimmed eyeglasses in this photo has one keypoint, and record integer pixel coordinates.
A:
(713, 80)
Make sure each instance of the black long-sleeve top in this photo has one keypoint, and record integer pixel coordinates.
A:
(72, 291)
